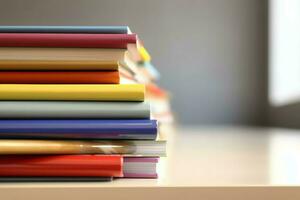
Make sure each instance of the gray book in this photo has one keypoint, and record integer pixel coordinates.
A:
(74, 109)
(66, 29)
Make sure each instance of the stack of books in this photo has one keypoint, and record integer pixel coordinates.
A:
(75, 104)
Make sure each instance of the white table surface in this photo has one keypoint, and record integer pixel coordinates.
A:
(202, 163)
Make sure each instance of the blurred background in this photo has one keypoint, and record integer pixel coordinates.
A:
(224, 61)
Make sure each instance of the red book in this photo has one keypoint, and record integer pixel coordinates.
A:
(59, 77)
(66, 40)
(62, 165)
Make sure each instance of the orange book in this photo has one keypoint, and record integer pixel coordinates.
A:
(59, 77)
(37, 60)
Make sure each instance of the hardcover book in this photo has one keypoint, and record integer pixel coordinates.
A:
(17, 179)
(17, 55)
(59, 77)
(65, 29)
(63, 58)
(80, 40)
(84, 166)
(74, 109)
(137, 148)
(88, 92)
(79, 129)
(62, 166)
(22, 62)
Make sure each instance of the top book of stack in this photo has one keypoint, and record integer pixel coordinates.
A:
(66, 29)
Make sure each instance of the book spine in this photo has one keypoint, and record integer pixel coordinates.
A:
(66, 40)
(14, 179)
(50, 56)
(79, 129)
(62, 165)
(59, 77)
(95, 92)
(65, 29)
(108, 147)
(74, 110)
(61, 65)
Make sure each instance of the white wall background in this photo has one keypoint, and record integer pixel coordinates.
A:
(284, 46)
(284, 60)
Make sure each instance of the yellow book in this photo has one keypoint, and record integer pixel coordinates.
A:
(101, 92)
(144, 53)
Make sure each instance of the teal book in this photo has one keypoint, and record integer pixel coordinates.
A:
(65, 29)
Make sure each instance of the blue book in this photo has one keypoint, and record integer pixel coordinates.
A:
(65, 29)
(79, 129)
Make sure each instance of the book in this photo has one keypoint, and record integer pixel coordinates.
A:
(50, 56)
(37, 167)
(65, 29)
(131, 148)
(59, 77)
(61, 166)
(40, 64)
(140, 167)
(80, 40)
(74, 109)
(88, 92)
(144, 53)
(78, 129)
(18, 179)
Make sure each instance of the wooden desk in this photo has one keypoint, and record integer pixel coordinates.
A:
(202, 163)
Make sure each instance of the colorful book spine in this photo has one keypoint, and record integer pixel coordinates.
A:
(133, 148)
(79, 166)
(66, 40)
(30, 179)
(95, 92)
(62, 166)
(57, 65)
(50, 56)
(79, 129)
(17, 179)
(59, 77)
(74, 110)
(65, 29)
